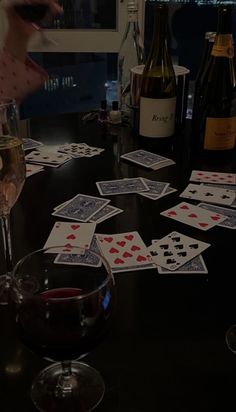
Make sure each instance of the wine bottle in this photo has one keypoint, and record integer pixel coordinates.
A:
(158, 87)
(216, 130)
(131, 54)
(208, 44)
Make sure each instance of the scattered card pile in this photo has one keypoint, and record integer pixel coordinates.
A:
(147, 159)
(76, 150)
(84, 208)
(157, 189)
(145, 187)
(178, 253)
(43, 158)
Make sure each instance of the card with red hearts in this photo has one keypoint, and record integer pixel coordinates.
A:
(124, 251)
(69, 235)
(192, 215)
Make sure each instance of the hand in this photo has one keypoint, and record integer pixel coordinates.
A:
(23, 27)
(19, 30)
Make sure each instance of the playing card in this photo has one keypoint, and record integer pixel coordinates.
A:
(81, 207)
(155, 188)
(176, 249)
(33, 169)
(230, 187)
(121, 186)
(47, 158)
(86, 259)
(105, 213)
(195, 265)
(29, 144)
(124, 251)
(194, 216)
(209, 194)
(230, 215)
(80, 150)
(147, 159)
(70, 234)
(213, 177)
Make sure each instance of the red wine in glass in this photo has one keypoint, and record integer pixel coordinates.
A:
(62, 312)
(59, 328)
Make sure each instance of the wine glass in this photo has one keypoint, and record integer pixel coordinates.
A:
(230, 338)
(62, 311)
(12, 178)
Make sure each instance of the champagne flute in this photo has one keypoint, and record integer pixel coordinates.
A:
(12, 178)
(63, 306)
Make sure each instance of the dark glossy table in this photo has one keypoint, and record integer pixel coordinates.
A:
(166, 350)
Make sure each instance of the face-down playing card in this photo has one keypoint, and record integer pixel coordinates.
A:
(81, 207)
(175, 249)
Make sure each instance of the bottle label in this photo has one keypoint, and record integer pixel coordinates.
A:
(220, 133)
(223, 46)
(132, 16)
(157, 117)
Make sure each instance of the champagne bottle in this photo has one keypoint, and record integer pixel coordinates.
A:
(208, 44)
(131, 54)
(217, 94)
(158, 88)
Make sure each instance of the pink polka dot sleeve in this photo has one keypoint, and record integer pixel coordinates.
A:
(19, 79)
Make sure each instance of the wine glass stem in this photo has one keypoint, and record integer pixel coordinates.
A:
(65, 381)
(6, 233)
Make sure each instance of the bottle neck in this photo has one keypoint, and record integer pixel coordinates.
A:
(224, 25)
(132, 16)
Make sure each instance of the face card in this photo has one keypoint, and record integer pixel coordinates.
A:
(176, 249)
(87, 259)
(230, 215)
(124, 251)
(147, 159)
(33, 169)
(121, 186)
(209, 194)
(47, 159)
(81, 207)
(194, 216)
(70, 234)
(213, 177)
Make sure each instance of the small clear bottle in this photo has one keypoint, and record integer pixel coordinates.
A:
(131, 54)
(115, 113)
(103, 112)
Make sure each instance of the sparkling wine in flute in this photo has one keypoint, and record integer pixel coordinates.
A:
(12, 172)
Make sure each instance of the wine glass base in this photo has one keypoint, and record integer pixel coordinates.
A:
(4, 289)
(230, 338)
(87, 389)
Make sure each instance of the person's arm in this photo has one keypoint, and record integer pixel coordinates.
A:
(19, 75)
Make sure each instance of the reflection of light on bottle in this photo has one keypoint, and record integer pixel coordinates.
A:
(15, 366)
(106, 300)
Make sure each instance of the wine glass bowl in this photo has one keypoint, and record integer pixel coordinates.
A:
(62, 312)
(12, 178)
(230, 338)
